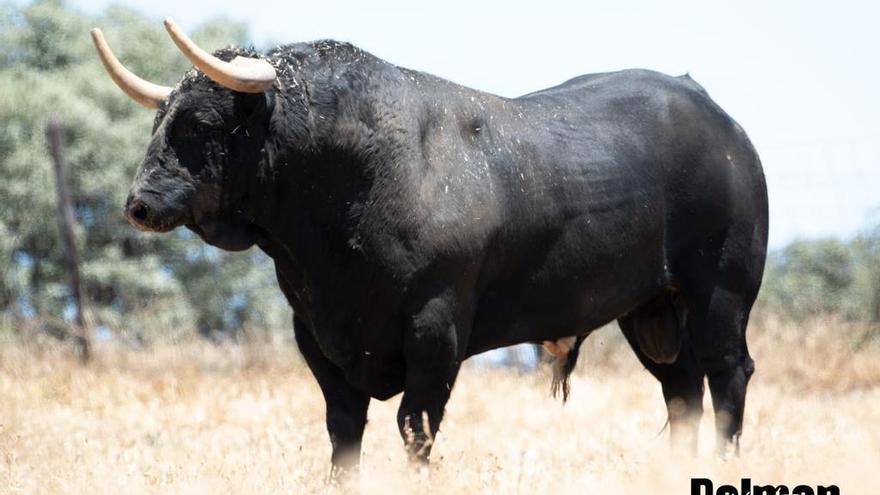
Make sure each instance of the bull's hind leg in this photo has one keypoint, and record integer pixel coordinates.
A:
(720, 283)
(717, 332)
(682, 384)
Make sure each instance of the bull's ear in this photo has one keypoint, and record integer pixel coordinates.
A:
(269, 101)
(251, 107)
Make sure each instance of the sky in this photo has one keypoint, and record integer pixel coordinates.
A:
(801, 77)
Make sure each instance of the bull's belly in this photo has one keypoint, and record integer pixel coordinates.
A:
(493, 329)
(382, 377)
(516, 317)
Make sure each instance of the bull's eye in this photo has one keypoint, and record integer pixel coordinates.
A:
(195, 130)
(205, 129)
(198, 130)
(197, 145)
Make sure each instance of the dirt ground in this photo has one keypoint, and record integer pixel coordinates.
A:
(197, 418)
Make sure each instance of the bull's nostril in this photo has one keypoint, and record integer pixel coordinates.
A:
(138, 211)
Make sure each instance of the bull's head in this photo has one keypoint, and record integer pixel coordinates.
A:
(205, 130)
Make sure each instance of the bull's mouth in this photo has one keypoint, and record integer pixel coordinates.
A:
(227, 234)
(160, 228)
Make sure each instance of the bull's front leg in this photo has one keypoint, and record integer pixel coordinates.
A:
(431, 351)
(346, 406)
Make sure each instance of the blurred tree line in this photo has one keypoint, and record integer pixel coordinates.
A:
(825, 276)
(135, 282)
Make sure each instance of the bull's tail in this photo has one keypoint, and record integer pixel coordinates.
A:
(563, 365)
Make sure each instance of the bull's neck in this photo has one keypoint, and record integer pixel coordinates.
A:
(319, 159)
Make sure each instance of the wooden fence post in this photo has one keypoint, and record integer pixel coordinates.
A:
(66, 220)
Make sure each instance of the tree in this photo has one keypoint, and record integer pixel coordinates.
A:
(47, 65)
(825, 276)
(866, 286)
(809, 277)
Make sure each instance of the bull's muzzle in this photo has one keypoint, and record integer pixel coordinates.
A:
(150, 216)
(138, 213)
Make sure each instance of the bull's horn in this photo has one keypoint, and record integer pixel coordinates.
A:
(144, 92)
(243, 74)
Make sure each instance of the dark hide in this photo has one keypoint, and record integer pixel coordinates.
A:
(414, 223)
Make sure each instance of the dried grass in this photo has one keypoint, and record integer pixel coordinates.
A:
(197, 418)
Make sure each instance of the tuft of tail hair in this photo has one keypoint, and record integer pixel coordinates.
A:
(562, 369)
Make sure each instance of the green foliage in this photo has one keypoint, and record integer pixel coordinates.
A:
(48, 66)
(866, 283)
(825, 276)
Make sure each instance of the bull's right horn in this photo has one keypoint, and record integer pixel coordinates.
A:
(144, 92)
(243, 74)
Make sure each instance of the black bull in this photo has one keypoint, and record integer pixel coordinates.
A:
(414, 223)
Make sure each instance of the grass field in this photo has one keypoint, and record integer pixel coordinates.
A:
(196, 418)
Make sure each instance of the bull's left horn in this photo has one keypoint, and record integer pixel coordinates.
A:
(243, 74)
(144, 92)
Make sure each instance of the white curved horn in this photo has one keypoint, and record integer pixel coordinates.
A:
(144, 92)
(243, 74)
